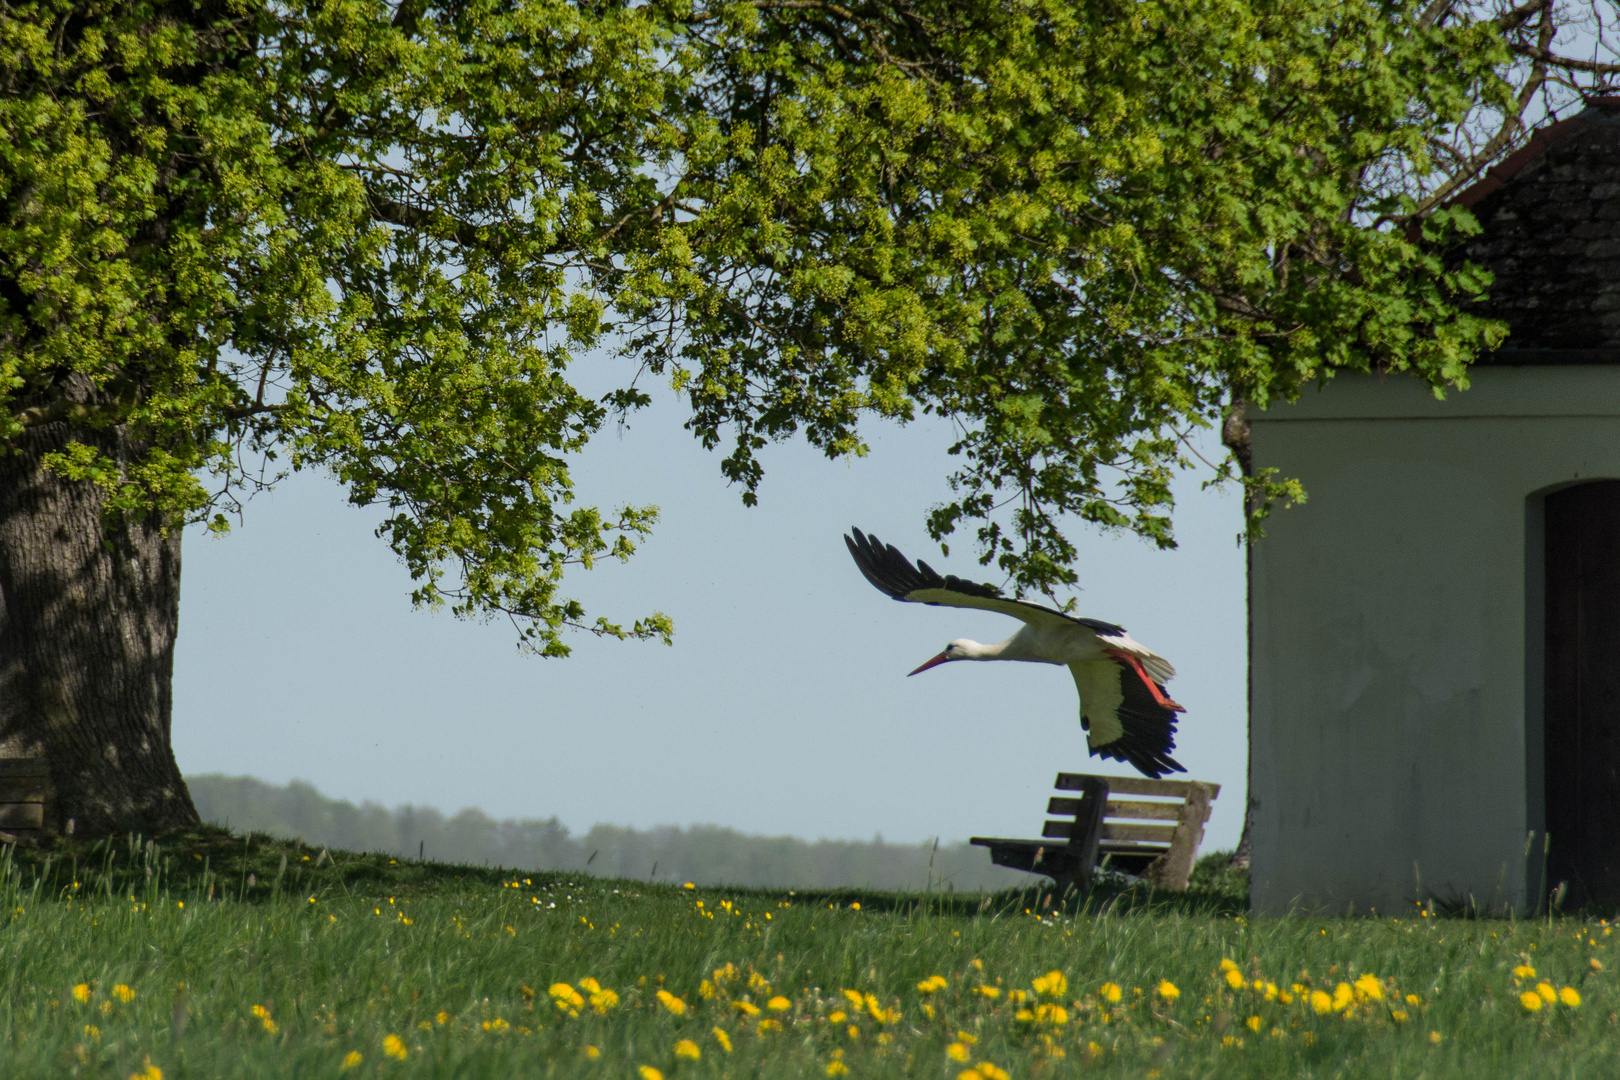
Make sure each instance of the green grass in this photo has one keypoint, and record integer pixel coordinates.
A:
(456, 963)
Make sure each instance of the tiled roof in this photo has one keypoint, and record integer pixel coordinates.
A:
(1550, 220)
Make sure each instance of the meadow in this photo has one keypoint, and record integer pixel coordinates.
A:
(218, 956)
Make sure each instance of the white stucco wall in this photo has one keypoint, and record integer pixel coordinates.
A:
(1390, 691)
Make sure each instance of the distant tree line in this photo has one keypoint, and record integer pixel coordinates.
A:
(706, 854)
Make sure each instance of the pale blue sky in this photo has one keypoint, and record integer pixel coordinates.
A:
(783, 706)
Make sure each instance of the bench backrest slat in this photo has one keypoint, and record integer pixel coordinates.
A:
(1137, 785)
(1158, 834)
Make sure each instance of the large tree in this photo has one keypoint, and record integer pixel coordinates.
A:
(372, 238)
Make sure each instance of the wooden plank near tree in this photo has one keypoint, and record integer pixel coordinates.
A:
(1161, 833)
(1137, 785)
(23, 788)
(1146, 811)
(23, 815)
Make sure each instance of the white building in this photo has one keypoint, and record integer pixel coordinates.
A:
(1435, 633)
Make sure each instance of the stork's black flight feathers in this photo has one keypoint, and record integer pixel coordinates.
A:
(894, 575)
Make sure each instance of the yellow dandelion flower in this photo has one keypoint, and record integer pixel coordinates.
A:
(1596, 964)
(836, 1016)
(769, 1025)
(1531, 1001)
(964, 1037)
(1413, 1000)
(1231, 1040)
(566, 998)
(970, 1074)
(976, 964)
(123, 993)
(1321, 1002)
(706, 990)
(991, 992)
(1369, 988)
(779, 1004)
(1228, 965)
(394, 1047)
(1052, 984)
(836, 1068)
(1110, 992)
(853, 1032)
(932, 984)
(991, 1072)
(688, 1049)
(723, 1039)
(1434, 1037)
(590, 985)
(958, 1052)
(747, 1008)
(1545, 989)
(603, 1002)
(647, 1071)
(81, 992)
(351, 1060)
(441, 1018)
(149, 1071)
(689, 885)
(592, 1052)
(1397, 1015)
(856, 998)
(1167, 990)
(1234, 978)
(875, 1009)
(1024, 1016)
(1255, 1024)
(1271, 991)
(1342, 997)
(269, 1025)
(1570, 997)
(671, 1002)
(1524, 971)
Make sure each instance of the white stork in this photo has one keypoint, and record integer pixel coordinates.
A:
(1123, 705)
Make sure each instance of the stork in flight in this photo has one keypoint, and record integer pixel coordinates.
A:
(1123, 705)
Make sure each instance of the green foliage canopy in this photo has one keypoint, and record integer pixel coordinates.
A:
(373, 237)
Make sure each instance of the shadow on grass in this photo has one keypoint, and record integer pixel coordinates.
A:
(211, 863)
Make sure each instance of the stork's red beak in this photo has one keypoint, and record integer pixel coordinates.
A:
(940, 659)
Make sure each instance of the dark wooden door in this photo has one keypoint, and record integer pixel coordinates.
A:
(1582, 715)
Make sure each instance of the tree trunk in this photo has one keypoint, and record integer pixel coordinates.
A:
(89, 605)
(1235, 437)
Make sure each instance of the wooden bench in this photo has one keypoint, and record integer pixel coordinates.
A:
(1116, 834)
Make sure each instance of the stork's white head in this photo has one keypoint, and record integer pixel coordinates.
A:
(960, 649)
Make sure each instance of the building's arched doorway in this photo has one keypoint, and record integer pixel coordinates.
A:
(1582, 691)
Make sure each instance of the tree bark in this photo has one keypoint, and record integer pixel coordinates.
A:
(1235, 437)
(89, 607)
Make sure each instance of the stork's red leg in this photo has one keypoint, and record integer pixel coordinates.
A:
(1153, 687)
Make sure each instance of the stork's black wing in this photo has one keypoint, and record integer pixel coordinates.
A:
(1124, 719)
(894, 575)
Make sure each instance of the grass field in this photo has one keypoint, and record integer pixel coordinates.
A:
(211, 956)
